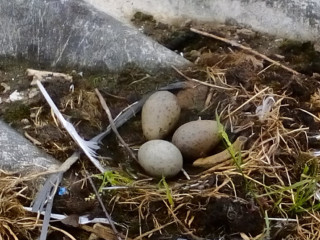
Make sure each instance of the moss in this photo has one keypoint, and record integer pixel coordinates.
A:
(140, 16)
(15, 112)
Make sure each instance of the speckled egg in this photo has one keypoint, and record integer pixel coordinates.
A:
(195, 139)
(160, 114)
(160, 158)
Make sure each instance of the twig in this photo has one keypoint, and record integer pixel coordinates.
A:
(113, 126)
(283, 219)
(185, 174)
(33, 140)
(115, 96)
(201, 82)
(265, 69)
(46, 76)
(309, 113)
(103, 207)
(140, 80)
(248, 49)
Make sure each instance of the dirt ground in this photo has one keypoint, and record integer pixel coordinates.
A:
(269, 192)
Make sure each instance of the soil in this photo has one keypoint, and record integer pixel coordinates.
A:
(239, 206)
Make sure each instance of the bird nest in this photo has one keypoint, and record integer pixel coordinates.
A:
(266, 189)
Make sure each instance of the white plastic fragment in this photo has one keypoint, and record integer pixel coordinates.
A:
(15, 96)
(115, 188)
(85, 219)
(263, 110)
(283, 219)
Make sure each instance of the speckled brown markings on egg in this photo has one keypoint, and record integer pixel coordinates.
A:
(159, 115)
(196, 138)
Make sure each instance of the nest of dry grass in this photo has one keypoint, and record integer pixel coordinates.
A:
(272, 184)
(277, 175)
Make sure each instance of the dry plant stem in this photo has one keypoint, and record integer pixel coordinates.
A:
(200, 82)
(62, 168)
(247, 49)
(178, 221)
(246, 102)
(113, 126)
(103, 207)
(185, 174)
(33, 140)
(312, 115)
(210, 161)
(153, 230)
(224, 166)
(65, 166)
(265, 69)
(208, 98)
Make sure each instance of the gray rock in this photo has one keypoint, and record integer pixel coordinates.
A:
(295, 19)
(17, 154)
(71, 33)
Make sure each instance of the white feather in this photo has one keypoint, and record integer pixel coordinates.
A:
(263, 110)
(88, 147)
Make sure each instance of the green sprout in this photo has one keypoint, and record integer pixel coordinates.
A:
(112, 178)
(163, 184)
(301, 193)
(236, 157)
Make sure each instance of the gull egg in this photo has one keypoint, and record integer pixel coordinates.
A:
(160, 114)
(196, 138)
(160, 158)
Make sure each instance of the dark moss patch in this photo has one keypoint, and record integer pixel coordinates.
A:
(233, 216)
(15, 112)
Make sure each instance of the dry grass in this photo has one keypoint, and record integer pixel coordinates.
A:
(279, 173)
(15, 222)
